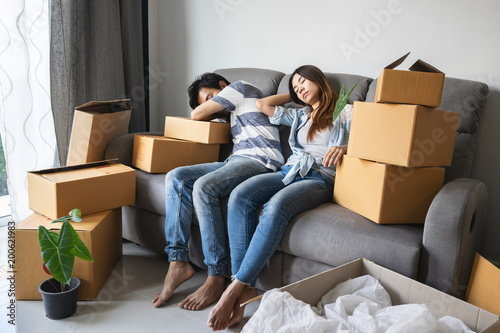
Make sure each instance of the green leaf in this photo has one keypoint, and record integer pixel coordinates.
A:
(342, 101)
(58, 256)
(76, 215)
(81, 250)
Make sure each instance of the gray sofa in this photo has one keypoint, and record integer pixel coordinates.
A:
(438, 253)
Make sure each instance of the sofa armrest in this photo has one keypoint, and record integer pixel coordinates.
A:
(123, 146)
(450, 238)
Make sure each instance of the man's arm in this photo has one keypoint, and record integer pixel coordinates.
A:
(206, 110)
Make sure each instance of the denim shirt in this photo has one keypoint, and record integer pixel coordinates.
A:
(297, 118)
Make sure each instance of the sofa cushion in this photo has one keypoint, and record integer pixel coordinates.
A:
(265, 79)
(334, 235)
(150, 192)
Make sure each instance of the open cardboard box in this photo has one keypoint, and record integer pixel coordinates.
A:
(92, 187)
(101, 233)
(402, 290)
(158, 154)
(404, 135)
(95, 124)
(421, 85)
(196, 130)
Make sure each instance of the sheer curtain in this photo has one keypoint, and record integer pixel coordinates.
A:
(27, 124)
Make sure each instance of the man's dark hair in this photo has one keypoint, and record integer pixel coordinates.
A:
(207, 80)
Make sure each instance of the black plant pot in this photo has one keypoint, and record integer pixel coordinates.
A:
(59, 305)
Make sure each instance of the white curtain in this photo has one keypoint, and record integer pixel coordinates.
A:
(27, 124)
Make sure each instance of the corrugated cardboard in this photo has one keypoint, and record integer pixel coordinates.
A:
(198, 131)
(92, 187)
(101, 233)
(385, 193)
(421, 85)
(158, 154)
(484, 285)
(95, 124)
(404, 135)
(401, 289)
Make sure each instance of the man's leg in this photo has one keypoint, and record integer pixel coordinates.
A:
(179, 210)
(208, 190)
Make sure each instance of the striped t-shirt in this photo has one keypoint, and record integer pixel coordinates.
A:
(253, 134)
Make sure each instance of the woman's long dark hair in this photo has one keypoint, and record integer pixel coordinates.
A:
(328, 97)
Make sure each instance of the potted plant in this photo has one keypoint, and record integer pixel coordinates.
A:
(60, 292)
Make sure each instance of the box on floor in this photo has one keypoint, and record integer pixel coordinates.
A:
(197, 131)
(101, 233)
(484, 285)
(401, 289)
(95, 124)
(158, 154)
(386, 193)
(404, 135)
(421, 85)
(91, 187)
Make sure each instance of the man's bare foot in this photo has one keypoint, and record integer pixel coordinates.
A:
(227, 311)
(178, 272)
(208, 293)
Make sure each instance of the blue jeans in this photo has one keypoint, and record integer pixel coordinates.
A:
(200, 187)
(253, 245)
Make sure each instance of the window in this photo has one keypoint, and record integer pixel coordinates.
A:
(4, 192)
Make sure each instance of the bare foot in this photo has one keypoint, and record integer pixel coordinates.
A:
(227, 310)
(239, 311)
(208, 293)
(178, 272)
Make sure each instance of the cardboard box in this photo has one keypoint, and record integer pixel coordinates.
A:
(401, 289)
(198, 131)
(404, 135)
(95, 124)
(92, 187)
(484, 285)
(101, 233)
(158, 154)
(421, 85)
(384, 193)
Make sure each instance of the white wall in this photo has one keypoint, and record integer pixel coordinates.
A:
(460, 37)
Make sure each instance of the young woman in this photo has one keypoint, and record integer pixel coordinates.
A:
(318, 142)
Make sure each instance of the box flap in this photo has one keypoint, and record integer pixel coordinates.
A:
(76, 167)
(422, 66)
(397, 62)
(105, 106)
(89, 222)
(90, 172)
(418, 66)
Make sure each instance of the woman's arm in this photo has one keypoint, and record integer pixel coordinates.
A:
(267, 104)
(334, 155)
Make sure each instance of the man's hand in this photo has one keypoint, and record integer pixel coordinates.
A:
(334, 155)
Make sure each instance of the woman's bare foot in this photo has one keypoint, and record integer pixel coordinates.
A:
(208, 293)
(227, 311)
(178, 272)
(239, 311)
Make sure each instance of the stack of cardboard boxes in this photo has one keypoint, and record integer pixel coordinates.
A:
(185, 142)
(98, 189)
(397, 147)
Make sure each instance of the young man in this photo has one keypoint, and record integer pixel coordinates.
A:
(201, 187)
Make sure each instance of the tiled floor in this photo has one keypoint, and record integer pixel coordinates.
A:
(124, 303)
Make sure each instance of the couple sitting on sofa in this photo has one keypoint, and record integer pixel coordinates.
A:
(254, 175)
